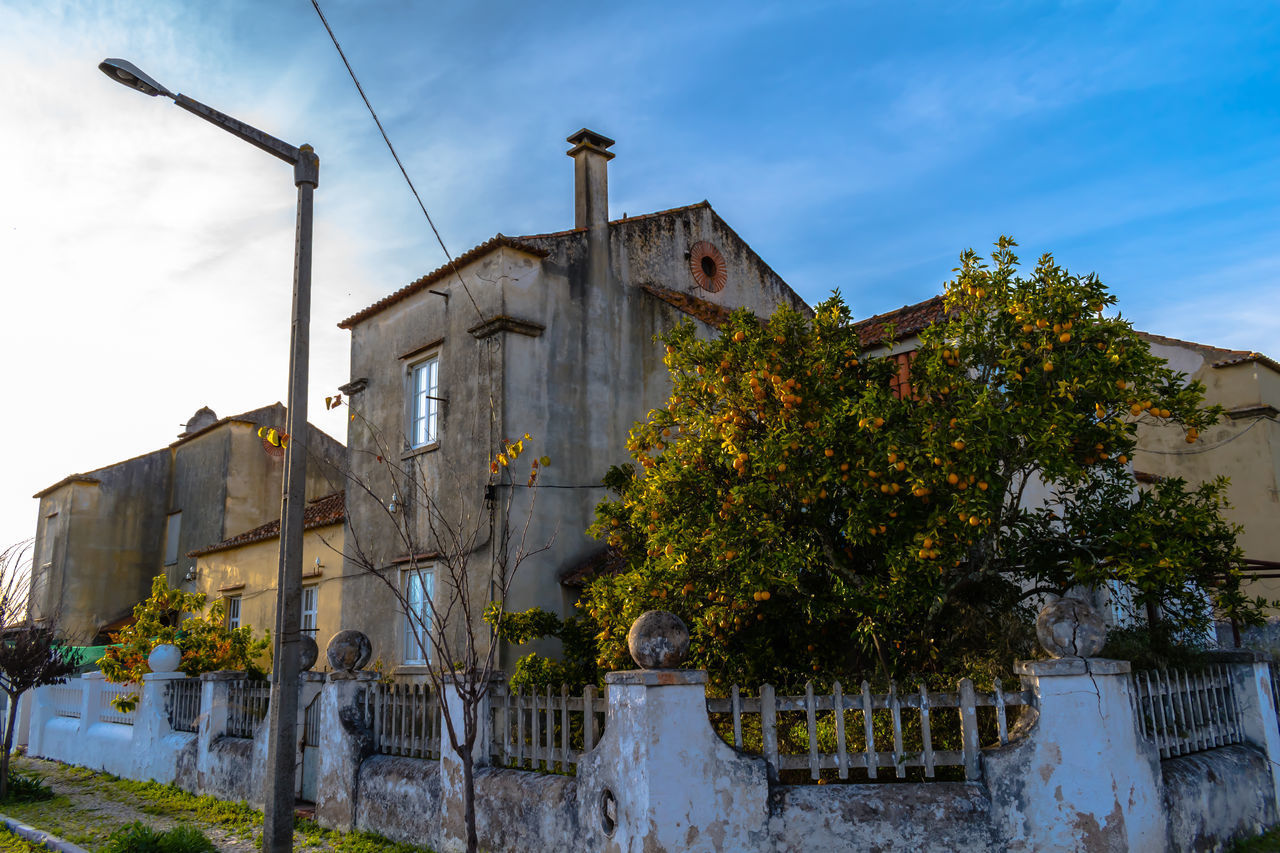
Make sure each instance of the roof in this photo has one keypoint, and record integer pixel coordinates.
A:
(907, 321)
(1216, 356)
(330, 509)
(65, 481)
(602, 561)
(654, 215)
(700, 309)
(530, 243)
(495, 242)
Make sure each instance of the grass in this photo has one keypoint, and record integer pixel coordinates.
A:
(89, 806)
(1268, 842)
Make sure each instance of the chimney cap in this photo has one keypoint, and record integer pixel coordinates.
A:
(590, 140)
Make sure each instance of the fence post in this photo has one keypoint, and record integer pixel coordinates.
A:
(1251, 683)
(453, 826)
(662, 779)
(346, 740)
(1082, 778)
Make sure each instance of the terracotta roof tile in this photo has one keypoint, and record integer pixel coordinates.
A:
(1210, 353)
(701, 309)
(603, 561)
(436, 275)
(907, 321)
(330, 509)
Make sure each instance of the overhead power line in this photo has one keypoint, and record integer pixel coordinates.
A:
(395, 156)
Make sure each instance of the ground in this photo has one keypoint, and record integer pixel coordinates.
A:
(90, 806)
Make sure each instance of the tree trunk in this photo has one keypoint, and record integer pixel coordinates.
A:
(8, 745)
(1153, 615)
(469, 801)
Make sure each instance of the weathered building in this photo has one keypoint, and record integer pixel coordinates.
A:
(242, 572)
(550, 335)
(101, 536)
(1243, 446)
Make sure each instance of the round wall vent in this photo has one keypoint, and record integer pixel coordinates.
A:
(707, 267)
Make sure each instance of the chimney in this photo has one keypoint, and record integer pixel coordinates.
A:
(590, 178)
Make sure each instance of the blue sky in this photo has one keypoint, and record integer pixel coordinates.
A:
(854, 145)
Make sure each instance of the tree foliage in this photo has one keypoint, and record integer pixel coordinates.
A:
(173, 616)
(802, 517)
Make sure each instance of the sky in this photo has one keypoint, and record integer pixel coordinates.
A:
(146, 257)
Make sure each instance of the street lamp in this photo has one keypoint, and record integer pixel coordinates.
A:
(277, 836)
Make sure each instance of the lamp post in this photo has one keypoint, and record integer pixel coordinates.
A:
(277, 836)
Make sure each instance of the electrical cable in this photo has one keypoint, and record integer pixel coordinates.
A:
(1193, 452)
(453, 266)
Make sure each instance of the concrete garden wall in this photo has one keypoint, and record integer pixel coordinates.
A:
(1078, 775)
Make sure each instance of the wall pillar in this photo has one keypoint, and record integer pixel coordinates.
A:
(90, 699)
(453, 816)
(152, 758)
(215, 690)
(40, 701)
(661, 779)
(1251, 683)
(346, 740)
(1082, 778)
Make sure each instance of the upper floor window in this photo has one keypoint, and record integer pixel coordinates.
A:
(233, 612)
(310, 597)
(424, 402)
(173, 527)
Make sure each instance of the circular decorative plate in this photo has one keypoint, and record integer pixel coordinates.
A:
(707, 266)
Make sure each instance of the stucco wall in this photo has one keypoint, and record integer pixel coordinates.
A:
(935, 816)
(1212, 798)
(110, 536)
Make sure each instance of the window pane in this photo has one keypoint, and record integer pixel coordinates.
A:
(233, 612)
(309, 599)
(173, 528)
(423, 408)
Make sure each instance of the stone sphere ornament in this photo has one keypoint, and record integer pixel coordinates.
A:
(165, 657)
(308, 653)
(658, 640)
(349, 651)
(1070, 628)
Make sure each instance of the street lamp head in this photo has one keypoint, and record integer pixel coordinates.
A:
(128, 74)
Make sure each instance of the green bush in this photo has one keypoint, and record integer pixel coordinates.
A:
(27, 789)
(137, 837)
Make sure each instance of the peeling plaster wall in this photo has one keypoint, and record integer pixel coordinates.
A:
(228, 773)
(399, 798)
(526, 811)
(928, 816)
(1214, 797)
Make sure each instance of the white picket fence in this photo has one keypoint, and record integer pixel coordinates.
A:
(405, 719)
(545, 731)
(861, 721)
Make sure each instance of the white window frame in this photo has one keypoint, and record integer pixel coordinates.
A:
(418, 586)
(310, 610)
(172, 534)
(423, 398)
(233, 611)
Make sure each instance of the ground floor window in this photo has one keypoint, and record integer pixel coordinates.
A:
(418, 586)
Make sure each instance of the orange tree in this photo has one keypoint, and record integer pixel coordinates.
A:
(172, 616)
(803, 518)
